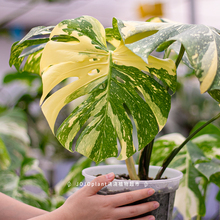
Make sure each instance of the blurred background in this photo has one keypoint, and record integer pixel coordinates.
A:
(23, 93)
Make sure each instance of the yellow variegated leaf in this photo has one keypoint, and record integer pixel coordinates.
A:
(93, 68)
(123, 56)
(200, 42)
(118, 85)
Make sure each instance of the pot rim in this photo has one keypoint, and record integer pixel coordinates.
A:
(176, 174)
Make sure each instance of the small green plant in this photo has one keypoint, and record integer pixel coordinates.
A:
(122, 89)
(199, 161)
(21, 176)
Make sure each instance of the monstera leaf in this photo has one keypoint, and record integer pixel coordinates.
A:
(33, 49)
(115, 87)
(200, 42)
(118, 86)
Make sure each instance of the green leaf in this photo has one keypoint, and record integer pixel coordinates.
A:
(15, 121)
(200, 43)
(209, 144)
(16, 50)
(73, 178)
(9, 181)
(28, 77)
(137, 37)
(164, 145)
(35, 179)
(218, 196)
(5, 159)
(215, 178)
(17, 186)
(187, 160)
(34, 200)
(32, 49)
(77, 48)
(112, 34)
(215, 94)
(209, 170)
(193, 185)
(203, 164)
(196, 154)
(209, 129)
(190, 192)
(115, 93)
(16, 150)
(13, 135)
(110, 116)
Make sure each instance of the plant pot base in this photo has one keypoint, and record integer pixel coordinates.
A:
(166, 200)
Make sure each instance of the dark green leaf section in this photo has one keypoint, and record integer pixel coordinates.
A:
(81, 113)
(113, 33)
(162, 74)
(17, 49)
(64, 38)
(176, 46)
(32, 65)
(215, 94)
(138, 90)
(164, 46)
(215, 179)
(105, 145)
(105, 116)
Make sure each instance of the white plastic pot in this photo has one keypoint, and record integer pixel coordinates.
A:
(164, 189)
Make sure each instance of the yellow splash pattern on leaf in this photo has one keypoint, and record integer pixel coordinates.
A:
(84, 61)
(123, 56)
(61, 60)
(210, 68)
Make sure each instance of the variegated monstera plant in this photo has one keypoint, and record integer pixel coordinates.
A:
(122, 85)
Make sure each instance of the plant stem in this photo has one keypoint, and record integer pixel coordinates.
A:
(144, 162)
(131, 168)
(176, 150)
(180, 56)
